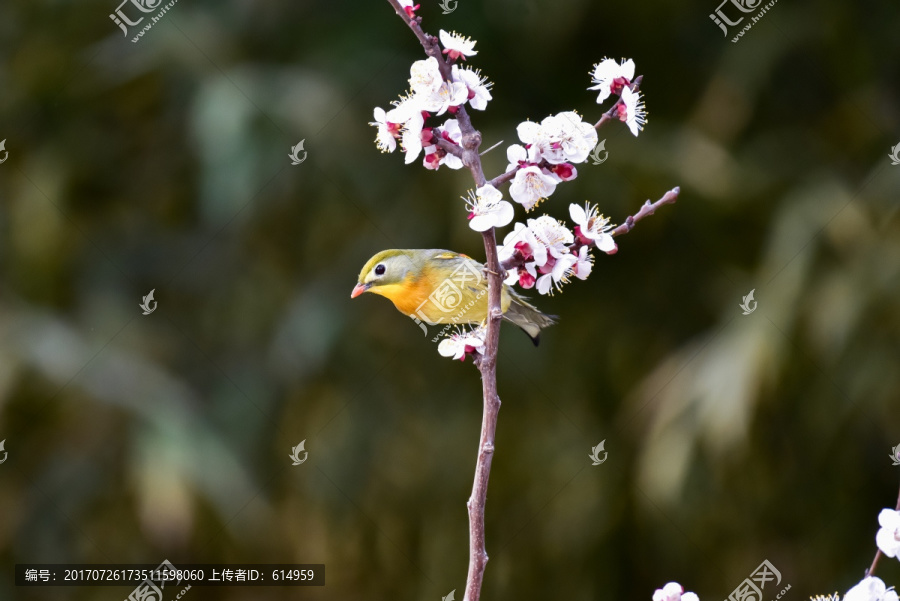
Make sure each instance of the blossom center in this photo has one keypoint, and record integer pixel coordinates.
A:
(617, 84)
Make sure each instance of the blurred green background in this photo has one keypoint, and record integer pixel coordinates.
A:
(163, 165)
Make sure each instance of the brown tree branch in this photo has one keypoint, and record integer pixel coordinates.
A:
(874, 565)
(468, 153)
(487, 363)
(450, 147)
(505, 177)
(429, 42)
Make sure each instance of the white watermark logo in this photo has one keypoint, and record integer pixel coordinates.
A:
(895, 454)
(448, 6)
(146, 304)
(751, 589)
(595, 154)
(3, 450)
(595, 453)
(743, 7)
(449, 597)
(448, 298)
(144, 6)
(895, 154)
(748, 309)
(295, 153)
(148, 589)
(6, 154)
(295, 453)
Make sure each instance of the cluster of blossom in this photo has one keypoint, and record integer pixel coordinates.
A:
(411, 120)
(552, 148)
(549, 150)
(612, 78)
(545, 253)
(870, 588)
(673, 592)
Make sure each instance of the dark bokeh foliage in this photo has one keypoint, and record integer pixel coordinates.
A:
(162, 165)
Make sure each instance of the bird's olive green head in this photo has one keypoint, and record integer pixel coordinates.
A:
(384, 272)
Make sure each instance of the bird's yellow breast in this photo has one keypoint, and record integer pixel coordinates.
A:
(433, 297)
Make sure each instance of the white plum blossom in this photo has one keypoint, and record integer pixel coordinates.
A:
(556, 272)
(411, 139)
(531, 185)
(404, 109)
(611, 77)
(425, 76)
(553, 261)
(519, 156)
(888, 537)
(456, 45)
(673, 592)
(388, 132)
(478, 86)
(536, 139)
(592, 227)
(584, 264)
(450, 132)
(445, 96)
(559, 138)
(462, 342)
(523, 241)
(871, 589)
(487, 209)
(552, 234)
(571, 139)
(632, 110)
(533, 136)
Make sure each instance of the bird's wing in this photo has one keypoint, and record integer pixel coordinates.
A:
(462, 269)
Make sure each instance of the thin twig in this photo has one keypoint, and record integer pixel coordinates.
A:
(874, 565)
(484, 152)
(454, 149)
(647, 209)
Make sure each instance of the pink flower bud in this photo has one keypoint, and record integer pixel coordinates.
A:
(526, 280)
(524, 250)
(617, 85)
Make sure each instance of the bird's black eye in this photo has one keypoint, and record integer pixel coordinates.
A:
(379, 269)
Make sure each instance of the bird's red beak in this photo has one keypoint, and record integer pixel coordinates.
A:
(359, 289)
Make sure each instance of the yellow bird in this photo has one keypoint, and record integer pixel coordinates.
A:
(443, 287)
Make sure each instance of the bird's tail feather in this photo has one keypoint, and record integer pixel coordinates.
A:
(528, 317)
